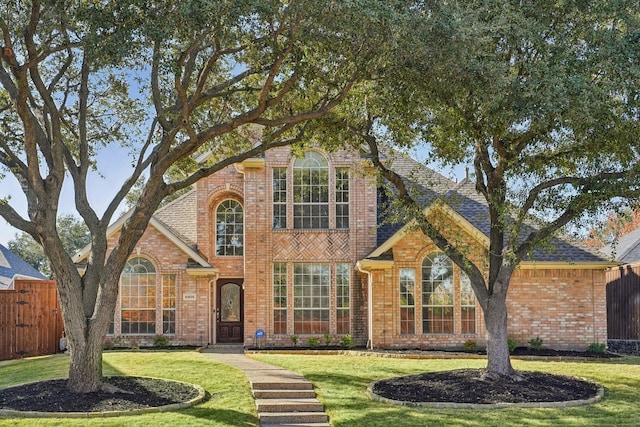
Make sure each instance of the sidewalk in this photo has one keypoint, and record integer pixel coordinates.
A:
(283, 398)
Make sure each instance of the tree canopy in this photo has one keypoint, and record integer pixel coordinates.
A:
(166, 80)
(540, 98)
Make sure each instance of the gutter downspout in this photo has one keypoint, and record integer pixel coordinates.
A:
(369, 305)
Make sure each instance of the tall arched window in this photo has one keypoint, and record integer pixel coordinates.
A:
(229, 229)
(311, 192)
(437, 294)
(138, 297)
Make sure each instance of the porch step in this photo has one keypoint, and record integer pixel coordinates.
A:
(289, 405)
(281, 385)
(292, 418)
(284, 394)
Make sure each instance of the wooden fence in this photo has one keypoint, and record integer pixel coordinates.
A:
(623, 303)
(30, 319)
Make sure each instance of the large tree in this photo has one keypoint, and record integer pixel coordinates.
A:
(539, 97)
(74, 236)
(164, 79)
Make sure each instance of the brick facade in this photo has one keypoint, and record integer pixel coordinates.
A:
(563, 306)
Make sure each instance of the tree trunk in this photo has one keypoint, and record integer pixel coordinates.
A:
(85, 368)
(495, 317)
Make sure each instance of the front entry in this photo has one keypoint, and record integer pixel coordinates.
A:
(229, 311)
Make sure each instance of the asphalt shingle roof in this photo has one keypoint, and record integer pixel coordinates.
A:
(626, 249)
(180, 216)
(11, 265)
(465, 200)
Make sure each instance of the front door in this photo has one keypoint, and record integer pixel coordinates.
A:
(229, 310)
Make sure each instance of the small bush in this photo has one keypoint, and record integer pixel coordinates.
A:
(512, 344)
(327, 339)
(294, 340)
(595, 347)
(535, 343)
(346, 341)
(160, 341)
(133, 344)
(470, 345)
(312, 342)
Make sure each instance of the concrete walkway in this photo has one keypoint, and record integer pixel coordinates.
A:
(283, 398)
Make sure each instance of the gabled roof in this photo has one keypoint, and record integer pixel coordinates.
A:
(626, 249)
(470, 210)
(13, 267)
(176, 221)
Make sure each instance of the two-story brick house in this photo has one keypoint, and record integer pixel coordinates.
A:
(297, 246)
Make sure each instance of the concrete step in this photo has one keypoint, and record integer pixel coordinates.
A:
(284, 394)
(288, 405)
(281, 385)
(297, 425)
(292, 418)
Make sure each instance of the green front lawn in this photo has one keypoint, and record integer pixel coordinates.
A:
(341, 383)
(231, 403)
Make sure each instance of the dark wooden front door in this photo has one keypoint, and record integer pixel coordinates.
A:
(229, 310)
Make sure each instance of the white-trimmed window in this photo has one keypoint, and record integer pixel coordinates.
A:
(467, 305)
(343, 276)
(229, 229)
(407, 301)
(138, 298)
(437, 294)
(311, 192)
(168, 304)
(279, 298)
(311, 298)
(342, 198)
(279, 198)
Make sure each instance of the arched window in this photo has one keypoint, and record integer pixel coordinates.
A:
(311, 192)
(138, 297)
(437, 294)
(229, 229)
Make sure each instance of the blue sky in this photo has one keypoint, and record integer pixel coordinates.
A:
(114, 166)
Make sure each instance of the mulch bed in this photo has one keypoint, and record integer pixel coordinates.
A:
(53, 396)
(469, 386)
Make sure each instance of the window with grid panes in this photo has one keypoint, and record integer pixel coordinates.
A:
(138, 297)
(467, 305)
(343, 276)
(311, 298)
(279, 198)
(280, 298)
(311, 192)
(407, 301)
(229, 229)
(169, 304)
(437, 294)
(342, 198)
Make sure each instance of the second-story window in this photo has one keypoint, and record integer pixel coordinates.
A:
(279, 198)
(311, 192)
(229, 229)
(342, 198)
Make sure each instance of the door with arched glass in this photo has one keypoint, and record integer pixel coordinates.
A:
(229, 311)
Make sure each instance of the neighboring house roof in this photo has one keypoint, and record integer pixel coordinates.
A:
(626, 249)
(463, 199)
(13, 267)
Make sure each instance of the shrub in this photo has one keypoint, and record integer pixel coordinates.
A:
(595, 347)
(312, 342)
(160, 341)
(327, 339)
(133, 344)
(470, 345)
(512, 344)
(346, 341)
(535, 343)
(294, 340)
